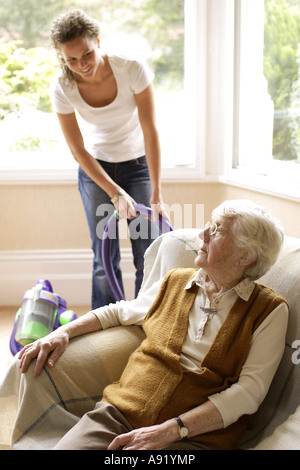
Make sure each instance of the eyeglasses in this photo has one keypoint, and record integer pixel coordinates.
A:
(213, 228)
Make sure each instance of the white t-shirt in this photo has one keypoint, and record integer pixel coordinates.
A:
(111, 133)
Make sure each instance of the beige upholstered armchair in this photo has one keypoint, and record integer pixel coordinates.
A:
(36, 412)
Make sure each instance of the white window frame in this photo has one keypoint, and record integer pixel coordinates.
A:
(195, 86)
(260, 171)
(210, 86)
(194, 119)
(208, 53)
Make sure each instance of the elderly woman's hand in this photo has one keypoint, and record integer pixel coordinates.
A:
(149, 438)
(47, 349)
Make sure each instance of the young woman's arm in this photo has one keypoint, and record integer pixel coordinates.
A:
(146, 110)
(91, 166)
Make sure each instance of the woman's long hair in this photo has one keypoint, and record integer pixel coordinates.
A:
(68, 26)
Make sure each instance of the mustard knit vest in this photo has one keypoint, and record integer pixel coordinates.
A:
(153, 386)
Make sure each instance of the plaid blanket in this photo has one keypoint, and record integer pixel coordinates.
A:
(36, 412)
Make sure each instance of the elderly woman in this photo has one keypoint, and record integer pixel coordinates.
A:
(214, 339)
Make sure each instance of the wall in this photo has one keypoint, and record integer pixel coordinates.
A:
(44, 233)
(48, 216)
(42, 217)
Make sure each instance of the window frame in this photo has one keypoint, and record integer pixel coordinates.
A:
(195, 56)
(211, 96)
(195, 44)
(277, 178)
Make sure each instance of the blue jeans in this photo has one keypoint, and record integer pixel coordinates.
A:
(133, 177)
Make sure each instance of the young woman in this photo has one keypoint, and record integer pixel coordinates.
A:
(118, 151)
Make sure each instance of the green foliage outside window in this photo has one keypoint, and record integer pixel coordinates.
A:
(25, 75)
(27, 65)
(282, 71)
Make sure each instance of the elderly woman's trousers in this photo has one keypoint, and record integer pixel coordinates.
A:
(97, 429)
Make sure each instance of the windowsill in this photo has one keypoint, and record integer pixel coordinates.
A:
(277, 184)
(38, 176)
(179, 174)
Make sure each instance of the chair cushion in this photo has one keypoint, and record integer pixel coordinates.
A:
(171, 250)
(285, 436)
(283, 397)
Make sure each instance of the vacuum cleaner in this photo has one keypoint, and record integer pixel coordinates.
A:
(43, 311)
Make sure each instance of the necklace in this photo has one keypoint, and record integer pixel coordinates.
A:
(209, 309)
(208, 312)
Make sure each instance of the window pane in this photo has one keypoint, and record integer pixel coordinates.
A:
(267, 87)
(147, 29)
(282, 71)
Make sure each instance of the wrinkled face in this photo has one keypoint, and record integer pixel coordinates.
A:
(82, 56)
(218, 254)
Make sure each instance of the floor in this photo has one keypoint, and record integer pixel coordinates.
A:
(7, 316)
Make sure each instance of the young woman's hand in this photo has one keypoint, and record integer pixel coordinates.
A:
(124, 206)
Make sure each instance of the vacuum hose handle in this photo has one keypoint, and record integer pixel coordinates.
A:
(163, 225)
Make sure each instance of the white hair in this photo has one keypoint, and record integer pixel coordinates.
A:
(256, 232)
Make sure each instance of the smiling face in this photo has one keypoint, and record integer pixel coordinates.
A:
(218, 254)
(82, 56)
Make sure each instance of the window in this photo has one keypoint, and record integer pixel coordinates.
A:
(267, 94)
(148, 29)
(227, 85)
